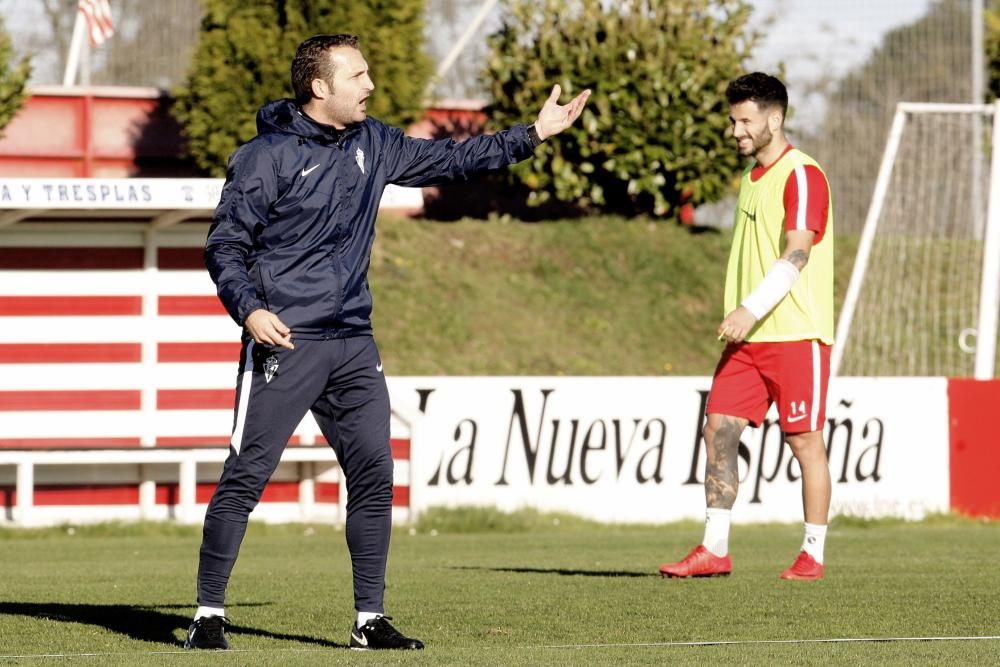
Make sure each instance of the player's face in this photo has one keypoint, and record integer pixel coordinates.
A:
(750, 127)
(351, 85)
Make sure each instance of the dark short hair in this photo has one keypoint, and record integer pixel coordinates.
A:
(311, 62)
(767, 91)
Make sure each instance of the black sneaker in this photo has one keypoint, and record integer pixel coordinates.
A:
(208, 632)
(379, 633)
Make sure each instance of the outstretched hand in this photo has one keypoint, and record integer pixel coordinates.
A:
(554, 118)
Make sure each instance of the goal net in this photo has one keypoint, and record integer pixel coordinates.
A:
(922, 298)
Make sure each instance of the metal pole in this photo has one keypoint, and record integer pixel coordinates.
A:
(989, 292)
(978, 97)
(75, 46)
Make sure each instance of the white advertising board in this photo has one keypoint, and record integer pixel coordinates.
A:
(143, 193)
(629, 449)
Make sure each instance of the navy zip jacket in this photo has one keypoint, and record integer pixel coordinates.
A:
(294, 228)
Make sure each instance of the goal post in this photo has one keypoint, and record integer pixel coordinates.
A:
(989, 293)
(924, 291)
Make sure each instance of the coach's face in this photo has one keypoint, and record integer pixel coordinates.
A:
(753, 127)
(346, 101)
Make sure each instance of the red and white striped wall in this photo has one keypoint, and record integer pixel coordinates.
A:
(112, 337)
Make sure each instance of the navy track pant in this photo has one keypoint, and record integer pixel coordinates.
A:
(341, 381)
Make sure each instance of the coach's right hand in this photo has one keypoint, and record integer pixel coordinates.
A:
(266, 329)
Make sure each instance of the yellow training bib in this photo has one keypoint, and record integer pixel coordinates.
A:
(806, 313)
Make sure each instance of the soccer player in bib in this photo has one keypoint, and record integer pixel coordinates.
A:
(778, 326)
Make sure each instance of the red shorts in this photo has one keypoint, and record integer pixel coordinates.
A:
(793, 374)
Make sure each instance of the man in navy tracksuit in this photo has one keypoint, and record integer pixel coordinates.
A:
(289, 250)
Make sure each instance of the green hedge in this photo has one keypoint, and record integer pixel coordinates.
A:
(654, 134)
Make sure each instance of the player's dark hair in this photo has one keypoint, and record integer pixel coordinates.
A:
(311, 61)
(767, 91)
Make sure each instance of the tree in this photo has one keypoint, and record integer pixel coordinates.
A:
(246, 47)
(13, 80)
(654, 133)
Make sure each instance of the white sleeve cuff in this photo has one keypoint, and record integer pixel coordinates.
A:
(772, 289)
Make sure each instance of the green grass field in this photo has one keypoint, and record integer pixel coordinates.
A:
(488, 589)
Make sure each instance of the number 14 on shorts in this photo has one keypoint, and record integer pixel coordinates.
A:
(797, 411)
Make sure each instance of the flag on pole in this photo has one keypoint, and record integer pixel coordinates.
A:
(100, 25)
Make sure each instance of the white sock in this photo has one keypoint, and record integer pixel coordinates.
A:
(209, 611)
(717, 531)
(365, 616)
(814, 541)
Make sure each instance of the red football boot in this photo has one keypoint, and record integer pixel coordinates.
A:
(699, 563)
(805, 568)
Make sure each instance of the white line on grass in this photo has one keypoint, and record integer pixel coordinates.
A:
(177, 652)
(745, 642)
(738, 642)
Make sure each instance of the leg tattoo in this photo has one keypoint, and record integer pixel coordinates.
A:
(721, 471)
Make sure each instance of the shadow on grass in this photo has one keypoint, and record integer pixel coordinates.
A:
(144, 623)
(560, 571)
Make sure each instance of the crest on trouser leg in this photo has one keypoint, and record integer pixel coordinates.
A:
(270, 368)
